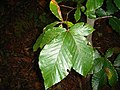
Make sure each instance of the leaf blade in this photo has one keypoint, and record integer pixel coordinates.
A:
(54, 61)
(110, 72)
(117, 2)
(82, 53)
(37, 43)
(115, 23)
(81, 29)
(91, 6)
(98, 79)
(50, 34)
(54, 7)
(117, 61)
(77, 14)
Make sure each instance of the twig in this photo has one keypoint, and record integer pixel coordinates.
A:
(67, 6)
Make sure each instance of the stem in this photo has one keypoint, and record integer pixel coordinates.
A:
(67, 6)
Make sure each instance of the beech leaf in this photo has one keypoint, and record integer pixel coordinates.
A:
(54, 7)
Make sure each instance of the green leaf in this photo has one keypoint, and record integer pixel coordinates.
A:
(117, 2)
(91, 6)
(77, 14)
(115, 23)
(50, 26)
(54, 7)
(118, 70)
(66, 50)
(70, 24)
(100, 12)
(110, 72)
(82, 53)
(37, 43)
(109, 52)
(55, 60)
(50, 34)
(111, 8)
(98, 64)
(98, 80)
(117, 61)
(81, 29)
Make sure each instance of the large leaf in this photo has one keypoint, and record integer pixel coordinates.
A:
(115, 23)
(111, 73)
(54, 7)
(50, 34)
(91, 6)
(117, 2)
(55, 60)
(117, 61)
(98, 80)
(82, 53)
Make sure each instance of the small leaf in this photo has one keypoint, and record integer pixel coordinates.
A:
(117, 2)
(117, 61)
(111, 8)
(100, 12)
(82, 8)
(109, 52)
(37, 43)
(110, 72)
(54, 7)
(115, 23)
(50, 34)
(77, 14)
(49, 26)
(70, 24)
(91, 6)
(98, 80)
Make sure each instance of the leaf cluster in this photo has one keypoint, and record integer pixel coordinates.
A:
(64, 48)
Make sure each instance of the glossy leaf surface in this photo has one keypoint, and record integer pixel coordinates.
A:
(81, 29)
(50, 34)
(82, 53)
(55, 60)
(68, 49)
